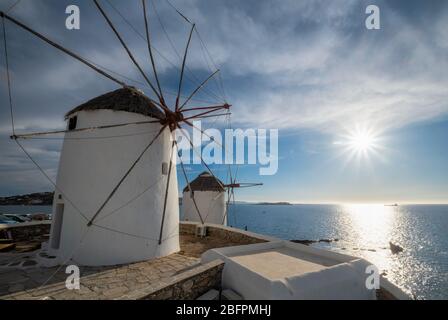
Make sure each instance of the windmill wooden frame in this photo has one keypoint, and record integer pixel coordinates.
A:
(174, 118)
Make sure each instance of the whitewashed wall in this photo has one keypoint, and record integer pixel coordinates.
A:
(88, 171)
(211, 204)
(344, 280)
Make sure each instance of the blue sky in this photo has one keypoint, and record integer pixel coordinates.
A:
(308, 68)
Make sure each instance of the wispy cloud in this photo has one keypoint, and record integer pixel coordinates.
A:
(285, 64)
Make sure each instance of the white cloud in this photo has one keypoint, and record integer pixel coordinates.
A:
(328, 77)
(295, 64)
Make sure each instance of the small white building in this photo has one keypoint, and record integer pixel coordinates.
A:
(92, 163)
(210, 197)
(283, 270)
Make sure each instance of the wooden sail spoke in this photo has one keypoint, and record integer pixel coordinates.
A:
(189, 186)
(197, 89)
(214, 115)
(200, 156)
(183, 68)
(147, 111)
(207, 107)
(233, 183)
(243, 185)
(148, 40)
(30, 135)
(61, 48)
(131, 56)
(227, 207)
(166, 193)
(204, 133)
(180, 13)
(214, 109)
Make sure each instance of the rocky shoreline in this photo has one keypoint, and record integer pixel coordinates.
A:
(308, 242)
(394, 248)
(32, 199)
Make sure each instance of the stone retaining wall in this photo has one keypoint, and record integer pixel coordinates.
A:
(227, 234)
(187, 285)
(187, 228)
(26, 231)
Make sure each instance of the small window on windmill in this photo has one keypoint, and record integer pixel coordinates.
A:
(72, 123)
(192, 194)
(164, 168)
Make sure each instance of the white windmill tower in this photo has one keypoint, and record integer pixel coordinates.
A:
(116, 196)
(204, 200)
(92, 161)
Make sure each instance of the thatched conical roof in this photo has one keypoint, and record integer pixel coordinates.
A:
(205, 182)
(126, 99)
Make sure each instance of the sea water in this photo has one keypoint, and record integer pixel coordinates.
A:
(365, 231)
(361, 230)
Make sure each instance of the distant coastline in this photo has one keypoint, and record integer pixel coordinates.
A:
(46, 199)
(32, 199)
(282, 203)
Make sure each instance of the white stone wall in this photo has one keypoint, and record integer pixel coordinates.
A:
(91, 165)
(211, 204)
(345, 279)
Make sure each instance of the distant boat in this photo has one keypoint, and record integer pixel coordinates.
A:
(391, 205)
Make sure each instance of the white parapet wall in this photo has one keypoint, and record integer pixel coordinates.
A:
(285, 270)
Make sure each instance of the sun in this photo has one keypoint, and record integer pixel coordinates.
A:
(361, 141)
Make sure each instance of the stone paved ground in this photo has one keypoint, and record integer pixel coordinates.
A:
(96, 283)
(99, 282)
(102, 282)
